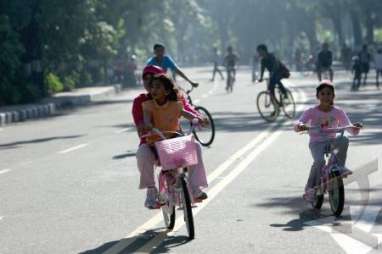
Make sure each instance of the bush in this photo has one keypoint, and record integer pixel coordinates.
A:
(54, 83)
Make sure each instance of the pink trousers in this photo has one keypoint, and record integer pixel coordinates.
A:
(146, 163)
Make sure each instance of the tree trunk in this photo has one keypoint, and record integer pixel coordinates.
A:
(357, 29)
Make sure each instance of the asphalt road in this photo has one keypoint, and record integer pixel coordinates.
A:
(68, 184)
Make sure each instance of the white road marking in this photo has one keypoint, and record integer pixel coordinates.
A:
(1, 217)
(123, 130)
(368, 218)
(267, 136)
(71, 149)
(3, 171)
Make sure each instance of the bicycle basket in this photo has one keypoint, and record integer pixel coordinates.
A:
(177, 152)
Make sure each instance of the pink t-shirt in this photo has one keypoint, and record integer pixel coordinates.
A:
(335, 118)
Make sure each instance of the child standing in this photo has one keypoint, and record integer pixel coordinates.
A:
(325, 115)
(163, 112)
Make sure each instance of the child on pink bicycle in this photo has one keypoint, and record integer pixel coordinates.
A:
(163, 112)
(325, 115)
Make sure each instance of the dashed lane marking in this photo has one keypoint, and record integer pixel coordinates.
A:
(74, 148)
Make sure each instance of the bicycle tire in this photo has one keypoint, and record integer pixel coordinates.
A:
(291, 105)
(208, 141)
(336, 193)
(318, 201)
(187, 209)
(264, 100)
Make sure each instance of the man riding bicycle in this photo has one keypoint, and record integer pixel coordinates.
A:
(324, 62)
(277, 70)
(166, 62)
(230, 61)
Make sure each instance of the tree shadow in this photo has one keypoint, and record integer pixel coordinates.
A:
(34, 141)
(133, 244)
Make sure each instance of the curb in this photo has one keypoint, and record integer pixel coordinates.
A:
(51, 106)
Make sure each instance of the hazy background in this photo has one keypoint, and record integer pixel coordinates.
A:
(48, 46)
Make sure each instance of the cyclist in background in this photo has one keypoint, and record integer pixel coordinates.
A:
(230, 61)
(324, 62)
(166, 62)
(277, 71)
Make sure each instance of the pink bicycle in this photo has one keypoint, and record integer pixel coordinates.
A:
(331, 175)
(175, 156)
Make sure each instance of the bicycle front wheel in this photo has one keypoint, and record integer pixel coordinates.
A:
(289, 105)
(267, 109)
(187, 209)
(205, 135)
(336, 193)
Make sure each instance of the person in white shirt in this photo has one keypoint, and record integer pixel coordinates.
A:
(378, 64)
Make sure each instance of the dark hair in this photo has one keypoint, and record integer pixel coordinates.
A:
(262, 47)
(169, 86)
(157, 46)
(322, 86)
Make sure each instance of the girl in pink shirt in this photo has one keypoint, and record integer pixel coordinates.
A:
(325, 115)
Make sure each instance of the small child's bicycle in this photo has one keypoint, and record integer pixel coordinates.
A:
(331, 176)
(175, 156)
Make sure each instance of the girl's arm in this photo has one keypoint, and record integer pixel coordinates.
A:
(147, 123)
(344, 121)
(300, 125)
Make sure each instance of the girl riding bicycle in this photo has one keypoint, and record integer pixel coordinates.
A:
(325, 115)
(163, 112)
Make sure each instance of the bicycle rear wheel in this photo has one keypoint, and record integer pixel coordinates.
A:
(187, 209)
(267, 109)
(336, 193)
(289, 105)
(205, 135)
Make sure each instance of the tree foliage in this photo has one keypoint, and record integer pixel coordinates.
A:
(76, 41)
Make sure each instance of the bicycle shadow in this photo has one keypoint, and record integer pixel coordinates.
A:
(306, 216)
(161, 243)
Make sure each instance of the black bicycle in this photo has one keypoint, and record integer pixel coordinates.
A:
(205, 135)
(269, 108)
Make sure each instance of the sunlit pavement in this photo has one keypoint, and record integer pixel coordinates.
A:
(68, 184)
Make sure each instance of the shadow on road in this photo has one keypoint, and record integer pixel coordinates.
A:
(34, 141)
(124, 155)
(132, 245)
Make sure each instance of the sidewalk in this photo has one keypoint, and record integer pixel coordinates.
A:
(50, 106)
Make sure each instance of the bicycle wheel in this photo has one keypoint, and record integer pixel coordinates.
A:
(267, 109)
(318, 201)
(205, 135)
(289, 105)
(336, 193)
(187, 210)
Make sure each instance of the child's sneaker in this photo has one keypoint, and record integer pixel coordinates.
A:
(199, 195)
(308, 196)
(345, 172)
(151, 201)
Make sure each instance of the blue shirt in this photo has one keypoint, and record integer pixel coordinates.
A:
(166, 63)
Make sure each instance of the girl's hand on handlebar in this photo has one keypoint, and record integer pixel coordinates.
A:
(358, 125)
(301, 127)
